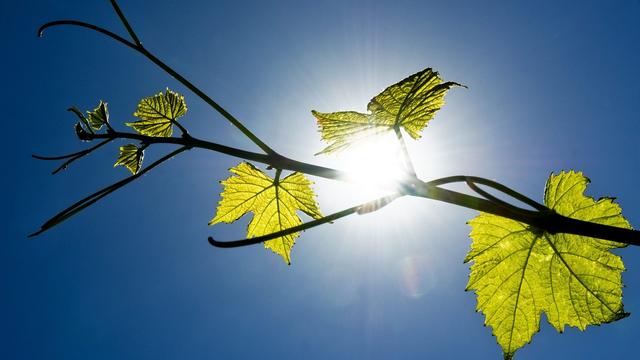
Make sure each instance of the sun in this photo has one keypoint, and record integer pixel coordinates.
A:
(374, 164)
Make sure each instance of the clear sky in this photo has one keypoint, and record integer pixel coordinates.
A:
(552, 85)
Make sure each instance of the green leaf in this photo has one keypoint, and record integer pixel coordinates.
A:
(409, 104)
(273, 202)
(520, 272)
(412, 102)
(98, 117)
(158, 113)
(130, 157)
(341, 129)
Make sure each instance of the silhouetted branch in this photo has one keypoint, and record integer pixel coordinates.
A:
(542, 218)
(72, 157)
(124, 21)
(301, 227)
(93, 198)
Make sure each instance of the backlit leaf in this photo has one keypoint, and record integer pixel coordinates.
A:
(130, 157)
(412, 102)
(520, 272)
(158, 113)
(409, 104)
(98, 117)
(273, 203)
(340, 129)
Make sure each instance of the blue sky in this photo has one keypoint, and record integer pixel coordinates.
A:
(552, 86)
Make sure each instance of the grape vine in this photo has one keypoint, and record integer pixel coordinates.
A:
(550, 257)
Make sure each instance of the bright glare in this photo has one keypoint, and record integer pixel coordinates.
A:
(375, 165)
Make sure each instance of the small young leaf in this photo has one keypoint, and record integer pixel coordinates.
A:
(409, 104)
(273, 203)
(84, 123)
(130, 157)
(520, 272)
(158, 113)
(98, 117)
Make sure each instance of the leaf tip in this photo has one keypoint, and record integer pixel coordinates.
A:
(458, 85)
(621, 315)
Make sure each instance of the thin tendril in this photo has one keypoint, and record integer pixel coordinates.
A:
(93, 198)
(504, 189)
(496, 200)
(83, 24)
(140, 49)
(295, 229)
(124, 21)
(72, 157)
(550, 220)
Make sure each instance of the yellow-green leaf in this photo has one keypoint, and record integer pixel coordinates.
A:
(340, 129)
(158, 113)
(98, 117)
(409, 104)
(520, 272)
(130, 157)
(412, 102)
(273, 202)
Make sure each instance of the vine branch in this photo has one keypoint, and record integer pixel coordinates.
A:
(142, 50)
(542, 218)
(406, 158)
(93, 198)
(71, 157)
(301, 227)
(124, 21)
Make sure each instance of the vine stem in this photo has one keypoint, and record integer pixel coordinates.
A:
(274, 160)
(308, 225)
(497, 186)
(71, 157)
(544, 218)
(93, 198)
(142, 50)
(406, 158)
(125, 22)
(547, 220)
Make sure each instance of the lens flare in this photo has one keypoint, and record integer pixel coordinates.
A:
(415, 277)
